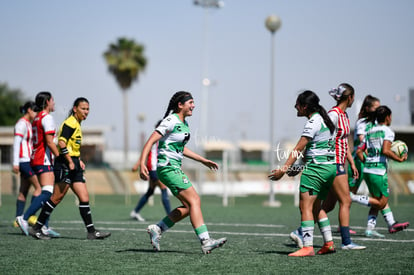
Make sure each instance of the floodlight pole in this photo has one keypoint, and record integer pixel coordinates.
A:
(206, 82)
(272, 23)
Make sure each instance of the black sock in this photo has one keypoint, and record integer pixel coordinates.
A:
(85, 212)
(47, 210)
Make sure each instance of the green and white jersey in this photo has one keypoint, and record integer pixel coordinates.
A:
(376, 161)
(175, 135)
(321, 148)
(362, 126)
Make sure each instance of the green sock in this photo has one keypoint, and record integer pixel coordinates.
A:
(202, 232)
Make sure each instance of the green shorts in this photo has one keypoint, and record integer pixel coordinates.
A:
(174, 178)
(317, 179)
(377, 184)
(360, 167)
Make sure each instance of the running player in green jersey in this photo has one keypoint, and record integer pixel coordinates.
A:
(172, 135)
(318, 141)
(377, 149)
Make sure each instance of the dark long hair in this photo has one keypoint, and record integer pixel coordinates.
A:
(41, 100)
(28, 105)
(178, 97)
(366, 104)
(381, 113)
(76, 104)
(310, 100)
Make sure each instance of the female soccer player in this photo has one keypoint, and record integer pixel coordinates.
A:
(366, 119)
(44, 151)
(344, 95)
(318, 141)
(365, 116)
(172, 135)
(153, 182)
(22, 150)
(69, 172)
(377, 149)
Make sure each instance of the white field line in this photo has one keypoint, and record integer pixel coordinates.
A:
(141, 226)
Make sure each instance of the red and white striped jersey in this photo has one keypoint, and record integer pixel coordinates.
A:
(152, 158)
(43, 124)
(341, 121)
(22, 141)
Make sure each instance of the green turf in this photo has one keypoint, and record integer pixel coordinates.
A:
(258, 241)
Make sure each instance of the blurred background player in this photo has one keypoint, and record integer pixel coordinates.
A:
(366, 119)
(173, 134)
(318, 141)
(377, 149)
(68, 172)
(22, 150)
(44, 151)
(152, 184)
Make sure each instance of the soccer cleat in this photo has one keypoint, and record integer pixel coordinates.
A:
(49, 232)
(155, 236)
(208, 245)
(398, 227)
(98, 235)
(297, 238)
(37, 234)
(15, 224)
(136, 216)
(327, 248)
(24, 226)
(352, 246)
(303, 252)
(373, 234)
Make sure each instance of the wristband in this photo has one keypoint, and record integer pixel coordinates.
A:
(64, 151)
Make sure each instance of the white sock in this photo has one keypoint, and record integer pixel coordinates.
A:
(372, 222)
(388, 216)
(325, 228)
(361, 199)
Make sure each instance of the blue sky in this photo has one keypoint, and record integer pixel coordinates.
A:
(58, 46)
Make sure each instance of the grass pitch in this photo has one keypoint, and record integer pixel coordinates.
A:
(258, 241)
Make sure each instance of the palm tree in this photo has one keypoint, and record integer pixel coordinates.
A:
(125, 61)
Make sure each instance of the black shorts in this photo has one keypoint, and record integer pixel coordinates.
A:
(63, 174)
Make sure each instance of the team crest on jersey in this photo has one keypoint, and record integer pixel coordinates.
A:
(185, 180)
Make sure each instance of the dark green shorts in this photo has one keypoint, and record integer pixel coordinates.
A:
(317, 179)
(360, 167)
(174, 178)
(377, 184)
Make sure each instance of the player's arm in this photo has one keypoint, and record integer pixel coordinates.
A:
(16, 150)
(360, 151)
(386, 150)
(155, 137)
(293, 156)
(194, 156)
(51, 144)
(65, 135)
(355, 173)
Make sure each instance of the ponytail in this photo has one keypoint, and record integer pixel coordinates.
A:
(28, 105)
(311, 101)
(326, 119)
